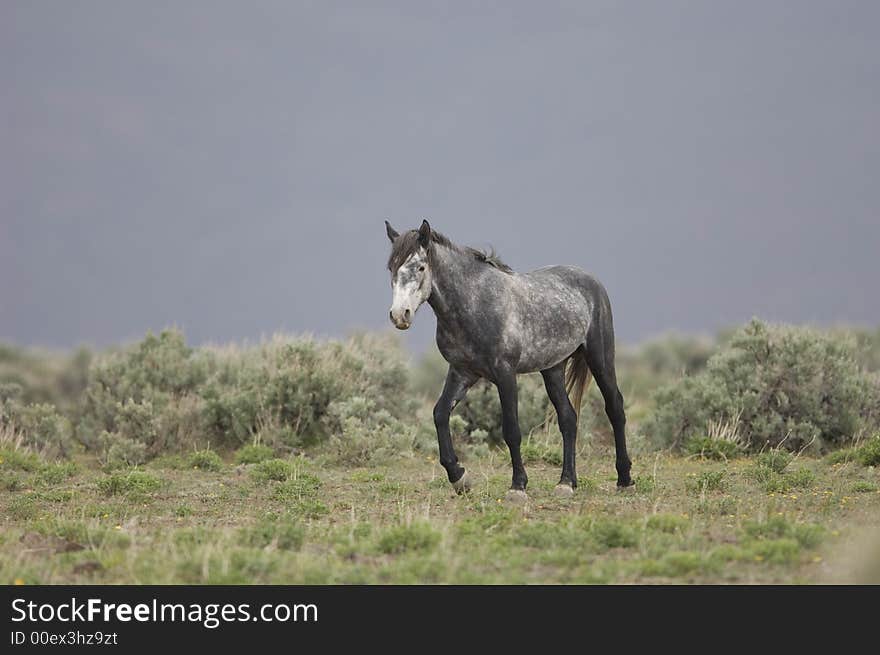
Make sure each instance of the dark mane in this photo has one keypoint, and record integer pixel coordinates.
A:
(408, 243)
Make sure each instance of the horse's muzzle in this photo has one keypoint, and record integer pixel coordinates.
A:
(401, 320)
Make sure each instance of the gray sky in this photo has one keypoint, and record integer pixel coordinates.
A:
(227, 167)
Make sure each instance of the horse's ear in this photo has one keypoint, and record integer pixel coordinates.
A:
(392, 233)
(424, 234)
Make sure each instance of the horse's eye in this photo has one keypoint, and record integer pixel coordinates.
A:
(421, 268)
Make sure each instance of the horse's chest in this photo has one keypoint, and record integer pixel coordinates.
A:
(461, 351)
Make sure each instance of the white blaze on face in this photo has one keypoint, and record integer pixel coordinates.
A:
(411, 286)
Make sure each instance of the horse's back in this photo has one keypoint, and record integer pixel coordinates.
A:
(555, 309)
(573, 277)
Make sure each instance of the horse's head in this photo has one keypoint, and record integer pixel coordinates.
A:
(410, 269)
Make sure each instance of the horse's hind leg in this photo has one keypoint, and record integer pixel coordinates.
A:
(600, 358)
(554, 381)
(455, 389)
(507, 394)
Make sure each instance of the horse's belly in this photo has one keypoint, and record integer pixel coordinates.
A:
(539, 359)
(547, 338)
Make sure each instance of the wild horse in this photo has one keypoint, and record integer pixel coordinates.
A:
(494, 323)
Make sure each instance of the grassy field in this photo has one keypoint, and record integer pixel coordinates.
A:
(204, 519)
(139, 465)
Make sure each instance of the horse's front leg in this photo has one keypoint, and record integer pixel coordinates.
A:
(507, 393)
(455, 389)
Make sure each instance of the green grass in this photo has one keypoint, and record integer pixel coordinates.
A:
(304, 521)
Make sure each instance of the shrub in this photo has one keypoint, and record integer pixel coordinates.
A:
(775, 460)
(131, 483)
(206, 460)
(303, 485)
(146, 394)
(159, 395)
(18, 459)
(274, 469)
(52, 474)
(116, 451)
(868, 453)
(253, 454)
(536, 451)
(770, 471)
(23, 507)
(361, 431)
(481, 408)
(710, 448)
(787, 386)
(40, 426)
(707, 481)
(309, 508)
(841, 456)
(800, 479)
(283, 389)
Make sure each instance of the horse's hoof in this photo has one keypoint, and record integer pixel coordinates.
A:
(626, 488)
(517, 496)
(463, 484)
(563, 490)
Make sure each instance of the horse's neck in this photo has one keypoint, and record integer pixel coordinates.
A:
(452, 283)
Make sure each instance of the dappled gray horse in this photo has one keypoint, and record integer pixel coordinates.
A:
(494, 323)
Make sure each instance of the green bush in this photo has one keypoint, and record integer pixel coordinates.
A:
(539, 451)
(146, 394)
(708, 447)
(481, 408)
(775, 460)
(782, 386)
(361, 432)
(781, 483)
(18, 459)
(868, 454)
(206, 460)
(39, 425)
(54, 473)
(303, 485)
(283, 389)
(131, 483)
(770, 472)
(161, 396)
(253, 454)
(707, 481)
(274, 469)
(117, 451)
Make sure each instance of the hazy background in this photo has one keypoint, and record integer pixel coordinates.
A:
(227, 167)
